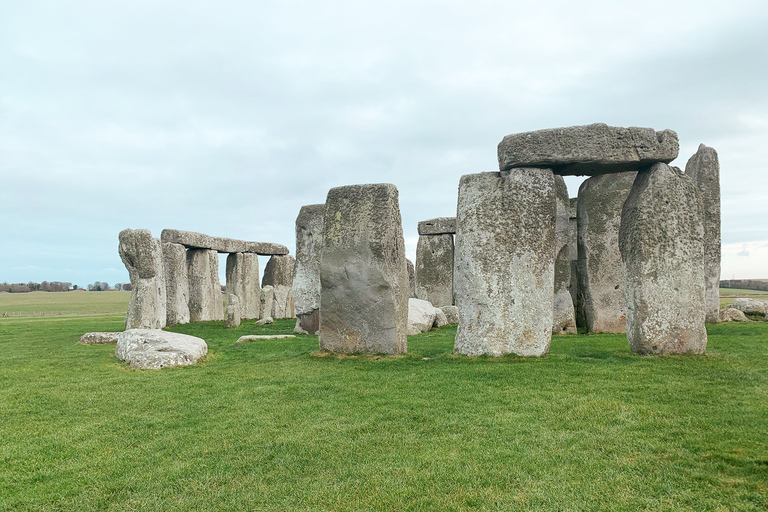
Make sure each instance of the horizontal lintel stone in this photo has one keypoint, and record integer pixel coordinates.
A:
(438, 226)
(220, 244)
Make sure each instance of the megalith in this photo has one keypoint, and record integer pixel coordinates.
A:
(504, 268)
(434, 269)
(267, 308)
(176, 283)
(233, 311)
(143, 257)
(704, 168)
(278, 273)
(242, 276)
(411, 278)
(662, 246)
(363, 275)
(573, 256)
(306, 278)
(601, 278)
(563, 316)
(205, 300)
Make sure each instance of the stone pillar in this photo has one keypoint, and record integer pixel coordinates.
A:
(363, 274)
(306, 276)
(143, 257)
(564, 319)
(662, 246)
(278, 273)
(504, 269)
(704, 168)
(205, 300)
(573, 256)
(434, 269)
(267, 309)
(411, 277)
(601, 280)
(176, 283)
(233, 311)
(243, 281)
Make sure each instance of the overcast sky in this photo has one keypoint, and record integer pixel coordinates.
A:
(226, 117)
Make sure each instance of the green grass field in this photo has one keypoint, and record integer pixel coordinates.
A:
(274, 425)
(63, 303)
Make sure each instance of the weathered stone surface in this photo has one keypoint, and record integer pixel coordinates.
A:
(601, 199)
(411, 278)
(260, 337)
(233, 312)
(588, 150)
(732, 315)
(243, 280)
(421, 315)
(704, 168)
(434, 269)
(363, 274)
(306, 279)
(573, 255)
(438, 226)
(205, 300)
(440, 319)
(451, 313)
(143, 257)
(265, 321)
(563, 317)
(152, 349)
(267, 308)
(98, 338)
(662, 246)
(266, 249)
(194, 240)
(750, 306)
(176, 284)
(505, 262)
(278, 273)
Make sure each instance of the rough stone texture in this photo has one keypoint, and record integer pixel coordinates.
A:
(306, 278)
(601, 277)
(732, 315)
(588, 150)
(438, 226)
(143, 257)
(421, 315)
(194, 240)
(411, 278)
(573, 255)
(440, 319)
(176, 284)
(152, 349)
(205, 300)
(363, 274)
(563, 316)
(233, 311)
(265, 321)
(278, 273)
(98, 338)
(260, 337)
(750, 306)
(243, 280)
(704, 168)
(434, 269)
(504, 267)
(267, 308)
(451, 313)
(662, 245)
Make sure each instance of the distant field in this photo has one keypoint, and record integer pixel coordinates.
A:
(63, 303)
(727, 295)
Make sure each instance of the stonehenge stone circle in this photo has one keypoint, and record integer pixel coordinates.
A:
(563, 316)
(306, 279)
(601, 276)
(588, 150)
(438, 226)
(363, 274)
(205, 300)
(143, 257)
(278, 273)
(243, 281)
(176, 283)
(152, 349)
(504, 262)
(704, 168)
(662, 246)
(434, 269)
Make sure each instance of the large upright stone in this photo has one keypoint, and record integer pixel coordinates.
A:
(438, 226)
(704, 168)
(662, 246)
(176, 283)
(573, 255)
(588, 150)
(306, 277)
(601, 284)
(143, 257)
(267, 308)
(205, 300)
(563, 316)
(504, 268)
(243, 281)
(278, 273)
(364, 281)
(411, 277)
(434, 269)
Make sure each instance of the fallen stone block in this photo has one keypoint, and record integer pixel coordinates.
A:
(259, 337)
(152, 349)
(750, 306)
(732, 315)
(98, 338)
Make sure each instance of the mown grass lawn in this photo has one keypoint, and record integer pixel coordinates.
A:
(274, 425)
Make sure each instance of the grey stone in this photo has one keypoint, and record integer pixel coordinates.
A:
(265, 321)
(704, 168)
(205, 300)
(438, 226)
(440, 319)
(260, 337)
(278, 273)
(421, 315)
(504, 267)
(588, 150)
(306, 279)
(411, 278)
(434, 269)
(233, 312)
(573, 255)
(563, 316)
(194, 240)
(152, 349)
(267, 308)
(451, 313)
(601, 276)
(98, 338)
(750, 306)
(363, 274)
(662, 246)
(732, 315)
(176, 283)
(243, 281)
(143, 257)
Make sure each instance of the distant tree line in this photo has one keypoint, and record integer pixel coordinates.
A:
(58, 286)
(745, 284)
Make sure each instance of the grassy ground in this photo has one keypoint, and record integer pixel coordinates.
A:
(63, 303)
(727, 295)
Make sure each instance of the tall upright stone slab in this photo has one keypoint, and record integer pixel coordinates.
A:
(434, 269)
(563, 316)
(267, 308)
(205, 300)
(306, 277)
(142, 255)
(704, 168)
(411, 277)
(504, 270)
(243, 281)
(662, 246)
(573, 256)
(278, 273)
(176, 283)
(363, 274)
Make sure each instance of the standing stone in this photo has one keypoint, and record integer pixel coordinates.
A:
(704, 168)
(176, 283)
(243, 281)
(205, 300)
(504, 270)
(563, 317)
(601, 199)
(573, 255)
(662, 246)
(267, 309)
(143, 257)
(363, 274)
(306, 278)
(233, 311)
(434, 269)
(411, 277)
(278, 273)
